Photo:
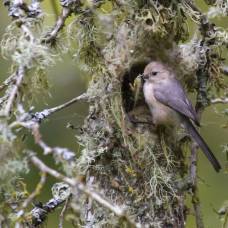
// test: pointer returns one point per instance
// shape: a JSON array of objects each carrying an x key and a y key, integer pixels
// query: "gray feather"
[
  {"x": 202, "y": 144},
  {"x": 173, "y": 95}
]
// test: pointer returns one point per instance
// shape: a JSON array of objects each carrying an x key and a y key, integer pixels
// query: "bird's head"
[{"x": 156, "y": 71}]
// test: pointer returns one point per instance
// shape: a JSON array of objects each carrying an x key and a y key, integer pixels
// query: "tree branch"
[
  {"x": 75, "y": 183},
  {"x": 12, "y": 96},
  {"x": 33, "y": 121},
  {"x": 39, "y": 116},
  {"x": 61, "y": 216},
  {"x": 61, "y": 192},
  {"x": 51, "y": 36},
  {"x": 31, "y": 197},
  {"x": 194, "y": 187}
]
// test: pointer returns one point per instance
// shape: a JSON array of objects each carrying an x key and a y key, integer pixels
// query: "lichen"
[{"x": 134, "y": 165}]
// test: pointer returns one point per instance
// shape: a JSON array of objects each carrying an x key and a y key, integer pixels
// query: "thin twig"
[
  {"x": 222, "y": 100},
  {"x": 194, "y": 187},
  {"x": 202, "y": 74},
  {"x": 61, "y": 216},
  {"x": 51, "y": 36},
  {"x": 81, "y": 187},
  {"x": 33, "y": 124},
  {"x": 39, "y": 116},
  {"x": 36, "y": 192},
  {"x": 13, "y": 94},
  {"x": 60, "y": 152},
  {"x": 193, "y": 165}
]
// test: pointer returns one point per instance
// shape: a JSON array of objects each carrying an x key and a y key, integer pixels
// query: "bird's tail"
[{"x": 202, "y": 144}]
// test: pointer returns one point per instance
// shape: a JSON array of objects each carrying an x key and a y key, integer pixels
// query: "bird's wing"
[{"x": 173, "y": 95}]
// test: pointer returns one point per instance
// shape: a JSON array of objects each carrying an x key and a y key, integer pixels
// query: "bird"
[{"x": 170, "y": 106}]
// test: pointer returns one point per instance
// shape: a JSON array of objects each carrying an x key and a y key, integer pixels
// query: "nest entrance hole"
[
  {"x": 135, "y": 107},
  {"x": 127, "y": 83}
]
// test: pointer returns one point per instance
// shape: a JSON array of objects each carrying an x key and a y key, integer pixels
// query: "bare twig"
[
  {"x": 51, "y": 36},
  {"x": 39, "y": 116},
  {"x": 61, "y": 216},
  {"x": 193, "y": 164},
  {"x": 60, "y": 152},
  {"x": 222, "y": 100},
  {"x": 33, "y": 124},
  {"x": 36, "y": 192},
  {"x": 13, "y": 94},
  {"x": 194, "y": 187},
  {"x": 81, "y": 187},
  {"x": 197, "y": 209},
  {"x": 202, "y": 74},
  {"x": 67, "y": 8}
]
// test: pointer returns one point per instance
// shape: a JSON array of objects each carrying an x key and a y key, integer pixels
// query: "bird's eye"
[{"x": 154, "y": 73}]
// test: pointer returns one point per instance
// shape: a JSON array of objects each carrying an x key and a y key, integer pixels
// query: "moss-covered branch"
[{"x": 137, "y": 170}]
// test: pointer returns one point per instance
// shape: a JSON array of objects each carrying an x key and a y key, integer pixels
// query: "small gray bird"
[{"x": 169, "y": 104}]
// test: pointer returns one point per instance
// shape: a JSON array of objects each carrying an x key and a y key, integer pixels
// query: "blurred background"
[{"x": 67, "y": 81}]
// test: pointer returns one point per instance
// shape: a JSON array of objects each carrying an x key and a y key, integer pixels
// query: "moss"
[
  {"x": 129, "y": 162},
  {"x": 134, "y": 165}
]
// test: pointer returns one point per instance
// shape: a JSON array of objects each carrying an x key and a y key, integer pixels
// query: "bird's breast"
[{"x": 161, "y": 114}]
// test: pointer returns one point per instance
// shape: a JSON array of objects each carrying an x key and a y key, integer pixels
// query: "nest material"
[{"x": 134, "y": 168}]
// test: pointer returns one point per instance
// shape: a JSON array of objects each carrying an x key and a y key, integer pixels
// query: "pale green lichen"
[
  {"x": 220, "y": 8},
  {"x": 130, "y": 165},
  {"x": 142, "y": 173}
]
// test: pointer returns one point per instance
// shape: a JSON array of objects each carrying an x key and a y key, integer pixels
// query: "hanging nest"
[{"x": 123, "y": 156}]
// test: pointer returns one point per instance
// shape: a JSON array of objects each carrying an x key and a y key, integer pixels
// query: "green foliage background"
[{"x": 67, "y": 81}]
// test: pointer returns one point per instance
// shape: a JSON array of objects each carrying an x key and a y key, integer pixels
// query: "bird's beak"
[
  {"x": 142, "y": 76},
  {"x": 145, "y": 76}
]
